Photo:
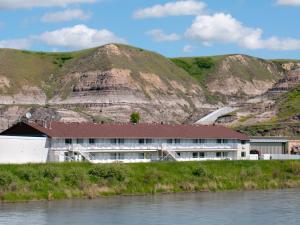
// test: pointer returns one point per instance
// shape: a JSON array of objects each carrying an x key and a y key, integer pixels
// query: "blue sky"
[{"x": 264, "y": 28}]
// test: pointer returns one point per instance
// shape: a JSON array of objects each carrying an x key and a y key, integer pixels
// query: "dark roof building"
[
  {"x": 127, "y": 143},
  {"x": 129, "y": 131}
]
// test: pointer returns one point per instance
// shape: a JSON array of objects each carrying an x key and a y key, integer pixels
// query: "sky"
[{"x": 262, "y": 28}]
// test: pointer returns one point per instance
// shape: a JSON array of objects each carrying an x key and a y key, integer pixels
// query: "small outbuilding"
[{"x": 268, "y": 145}]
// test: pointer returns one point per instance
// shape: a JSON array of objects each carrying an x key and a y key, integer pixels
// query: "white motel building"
[{"x": 119, "y": 143}]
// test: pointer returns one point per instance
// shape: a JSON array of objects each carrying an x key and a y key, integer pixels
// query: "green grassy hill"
[
  {"x": 27, "y": 68},
  {"x": 136, "y": 60},
  {"x": 205, "y": 69},
  {"x": 289, "y": 104},
  {"x": 47, "y": 70},
  {"x": 286, "y": 122}
]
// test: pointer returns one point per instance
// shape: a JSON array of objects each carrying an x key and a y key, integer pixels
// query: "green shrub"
[
  {"x": 107, "y": 172},
  {"x": 251, "y": 171},
  {"x": 276, "y": 173},
  {"x": 50, "y": 173},
  {"x": 204, "y": 63},
  {"x": 76, "y": 177},
  {"x": 135, "y": 117},
  {"x": 6, "y": 178},
  {"x": 153, "y": 176},
  {"x": 199, "y": 172},
  {"x": 27, "y": 174},
  {"x": 293, "y": 168}
]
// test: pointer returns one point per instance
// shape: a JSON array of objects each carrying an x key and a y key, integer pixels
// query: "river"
[{"x": 229, "y": 208}]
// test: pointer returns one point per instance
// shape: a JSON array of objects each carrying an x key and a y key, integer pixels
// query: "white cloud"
[
  {"x": 178, "y": 8},
  {"x": 159, "y": 36},
  {"x": 66, "y": 15},
  {"x": 223, "y": 28},
  {"x": 289, "y": 2},
  {"x": 23, "y": 43},
  {"x": 188, "y": 48},
  {"x": 78, "y": 37},
  {"x": 17, "y": 4}
]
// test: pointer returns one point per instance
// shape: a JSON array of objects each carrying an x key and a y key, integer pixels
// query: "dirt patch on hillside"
[
  {"x": 102, "y": 80},
  {"x": 238, "y": 58},
  {"x": 178, "y": 86},
  {"x": 112, "y": 49},
  {"x": 154, "y": 81},
  {"x": 290, "y": 66},
  {"x": 233, "y": 85},
  {"x": 4, "y": 82}
]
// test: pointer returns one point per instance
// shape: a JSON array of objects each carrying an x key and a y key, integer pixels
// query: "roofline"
[
  {"x": 48, "y": 132},
  {"x": 64, "y": 137},
  {"x": 269, "y": 140},
  {"x": 276, "y": 137}
]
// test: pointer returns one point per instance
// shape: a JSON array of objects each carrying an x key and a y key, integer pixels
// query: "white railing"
[
  {"x": 280, "y": 157},
  {"x": 169, "y": 152},
  {"x": 103, "y": 146},
  {"x": 88, "y": 156}
]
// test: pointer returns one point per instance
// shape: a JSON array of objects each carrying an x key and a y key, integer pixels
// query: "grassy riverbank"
[{"x": 83, "y": 180}]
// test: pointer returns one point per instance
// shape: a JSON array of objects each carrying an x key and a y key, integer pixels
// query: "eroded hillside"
[
  {"x": 108, "y": 83},
  {"x": 232, "y": 77}
]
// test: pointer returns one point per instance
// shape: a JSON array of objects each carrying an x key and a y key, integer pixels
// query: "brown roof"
[{"x": 91, "y": 130}]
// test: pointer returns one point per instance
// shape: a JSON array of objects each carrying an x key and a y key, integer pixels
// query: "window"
[
  {"x": 147, "y": 155},
  {"x": 149, "y": 141},
  {"x": 79, "y": 141},
  {"x": 66, "y": 156},
  {"x": 141, "y": 141},
  {"x": 113, "y": 155},
  {"x": 141, "y": 155},
  {"x": 219, "y": 141},
  {"x": 113, "y": 141},
  {"x": 121, "y": 155},
  {"x": 225, "y": 141},
  {"x": 219, "y": 154},
  {"x": 201, "y": 141},
  {"x": 243, "y": 154},
  {"x": 201, "y": 154},
  {"x": 177, "y": 141},
  {"x": 68, "y": 141},
  {"x": 178, "y": 154},
  {"x": 195, "y": 155},
  {"x": 195, "y": 141},
  {"x": 243, "y": 142},
  {"x": 121, "y": 141},
  {"x": 92, "y": 141},
  {"x": 170, "y": 141},
  {"x": 225, "y": 154}
]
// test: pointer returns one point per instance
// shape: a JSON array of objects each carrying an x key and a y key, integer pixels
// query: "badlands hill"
[{"x": 108, "y": 83}]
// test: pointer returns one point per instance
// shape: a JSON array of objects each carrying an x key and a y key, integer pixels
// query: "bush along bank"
[{"x": 84, "y": 180}]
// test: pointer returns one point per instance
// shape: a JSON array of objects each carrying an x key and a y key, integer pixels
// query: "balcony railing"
[{"x": 105, "y": 146}]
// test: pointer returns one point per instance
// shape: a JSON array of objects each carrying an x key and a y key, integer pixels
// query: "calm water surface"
[{"x": 236, "y": 208}]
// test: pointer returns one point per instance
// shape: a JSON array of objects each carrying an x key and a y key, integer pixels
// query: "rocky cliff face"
[
  {"x": 110, "y": 82},
  {"x": 243, "y": 75}
]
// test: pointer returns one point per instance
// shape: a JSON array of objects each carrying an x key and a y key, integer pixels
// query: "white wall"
[
  {"x": 18, "y": 150},
  {"x": 243, "y": 148}
]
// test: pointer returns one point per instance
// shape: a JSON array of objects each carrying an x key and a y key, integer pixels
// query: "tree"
[{"x": 135, "y": 117}]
